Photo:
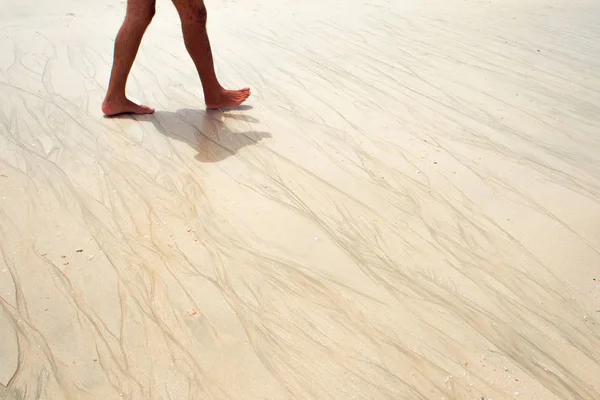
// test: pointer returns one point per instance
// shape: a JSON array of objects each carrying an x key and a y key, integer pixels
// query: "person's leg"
[
  {"x": 138, "y": 17},
  {"x": 193, "y": 23}
]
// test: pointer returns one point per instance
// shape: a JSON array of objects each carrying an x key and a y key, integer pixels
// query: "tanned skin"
[{"x": 193, "y": 16}]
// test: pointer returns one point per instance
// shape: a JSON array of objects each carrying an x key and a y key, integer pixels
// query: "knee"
[
  {"x": 197, "y": 15},
  {"x": 147, "y": 15},
  {"x": 143, "y": 16},
  {"x": 202, "y": 14}
]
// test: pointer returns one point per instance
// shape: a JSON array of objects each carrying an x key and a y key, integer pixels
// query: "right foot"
[
  {"x": 112, "y": 107},
  {"x": 227, "y": 98}
]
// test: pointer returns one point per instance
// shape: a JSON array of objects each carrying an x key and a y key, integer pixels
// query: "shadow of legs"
[{"x": 207, "y": 132}]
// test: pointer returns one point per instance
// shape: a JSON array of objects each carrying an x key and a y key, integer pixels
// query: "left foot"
[
  {"x": 226, "y": 98},
  {"x": 112, "y": 107}
]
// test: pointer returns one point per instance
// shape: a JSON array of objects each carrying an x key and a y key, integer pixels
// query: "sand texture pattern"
[{"x": 408, "y": 207}]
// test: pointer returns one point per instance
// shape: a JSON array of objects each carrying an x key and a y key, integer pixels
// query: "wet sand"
[{"x": 407, "y": 208}]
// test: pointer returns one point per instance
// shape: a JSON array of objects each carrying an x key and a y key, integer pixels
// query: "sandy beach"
[{"x": 408, "y": 206}]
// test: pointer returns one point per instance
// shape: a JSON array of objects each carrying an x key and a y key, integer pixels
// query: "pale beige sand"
[{"x": 409, "y": 208}]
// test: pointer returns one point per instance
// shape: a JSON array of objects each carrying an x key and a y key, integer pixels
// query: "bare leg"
[
  {"x": 138, "y": 17},
  {"x": 193, "y": 22}
]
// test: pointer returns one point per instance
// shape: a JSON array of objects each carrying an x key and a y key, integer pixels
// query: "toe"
[{"x": 144, "y": 110}]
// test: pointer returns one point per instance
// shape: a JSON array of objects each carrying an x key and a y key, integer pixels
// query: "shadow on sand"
[{"x": 207, "y": 131}]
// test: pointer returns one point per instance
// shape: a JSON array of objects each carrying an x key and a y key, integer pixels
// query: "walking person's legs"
[
  {"x": 193, "y": 17},
  {"x": 138, "y": 17}
]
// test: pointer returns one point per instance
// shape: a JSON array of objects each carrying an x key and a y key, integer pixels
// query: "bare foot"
[
  {"x": 226, "y": 98},
  {"x": 112, "y": 107}
]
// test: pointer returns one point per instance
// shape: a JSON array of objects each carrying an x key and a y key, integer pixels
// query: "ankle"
[
  {"x": 213, "y": 90},
  {"x": 113, "y": 97}
]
